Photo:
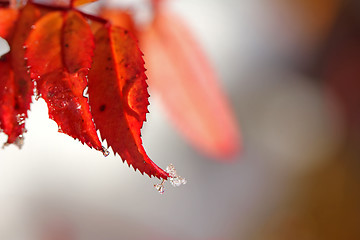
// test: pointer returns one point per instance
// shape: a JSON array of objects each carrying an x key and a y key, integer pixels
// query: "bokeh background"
[{"x": 291, "y": 70}]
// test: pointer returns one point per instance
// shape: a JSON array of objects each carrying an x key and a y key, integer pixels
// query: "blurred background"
[{"x": 291, "y": 70}]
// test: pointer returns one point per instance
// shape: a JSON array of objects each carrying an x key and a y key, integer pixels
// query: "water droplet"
[
  {"x": 85, "y": 92},
  {"x": 105, "y": 152},
  {"x": 60, "y": 130}
]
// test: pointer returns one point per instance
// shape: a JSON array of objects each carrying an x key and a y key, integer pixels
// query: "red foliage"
[
  {"x": 63, "y": 47},
  {"x": 58, "y": 52},
  {"x": 180, "y": 73}
]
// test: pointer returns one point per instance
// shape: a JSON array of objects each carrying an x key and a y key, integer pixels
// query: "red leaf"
[
  {"x": 18, "y": 87},
  {"x": 59, "y": 55},
  {"x": 180, "y": 72},
  {"x": 8, "y": 121},
  {"x": 118, "y": 96}
]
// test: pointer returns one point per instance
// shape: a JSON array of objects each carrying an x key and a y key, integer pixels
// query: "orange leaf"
[
  {"x": 59, "y": 51},
  {"x": 118, "y": 96},
  {"x": 82, "y": 2},
  {"x": 7, "y": 22},
  {"x": 179, "y": 71},
  {"x": 119, "y": 17}
]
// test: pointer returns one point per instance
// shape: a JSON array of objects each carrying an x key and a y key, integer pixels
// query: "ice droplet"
[
  {"x": 174, "y": 179},
  {"x": 105, "y": 152}
]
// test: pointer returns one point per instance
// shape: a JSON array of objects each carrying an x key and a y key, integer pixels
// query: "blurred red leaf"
[{"x": 179, "y": 71}]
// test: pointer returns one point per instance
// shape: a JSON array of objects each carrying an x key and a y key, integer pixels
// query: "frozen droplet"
[
  {"x": 160, "y": 187},
  {"x": 85, "y": 92},
  {"x": 171, "y": 170},
  {"x": 174, "y": 179},
  {"x": 105, "y": 152},
  {"x": 20, "y": 118}
]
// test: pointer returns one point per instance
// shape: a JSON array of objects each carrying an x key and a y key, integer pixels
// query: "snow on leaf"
[
  {"x": 179, "y": 71},
  {"x": 59, "y": 51},
  {"x": 118, "y": 96}
]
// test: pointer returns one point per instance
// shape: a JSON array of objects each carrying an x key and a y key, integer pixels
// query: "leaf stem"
[
  {"x": 93, "y": 17},
  {"x": 71, "y": 7}
]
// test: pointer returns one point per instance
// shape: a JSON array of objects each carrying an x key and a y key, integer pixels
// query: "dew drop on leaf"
[{"x": 20, "y": 118}]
